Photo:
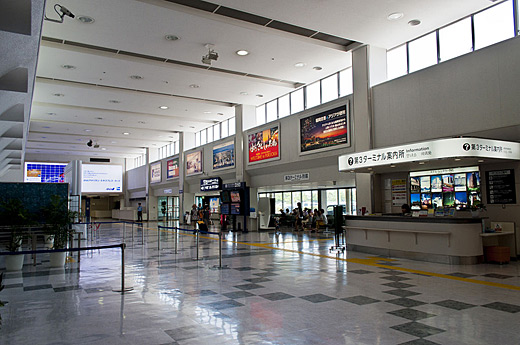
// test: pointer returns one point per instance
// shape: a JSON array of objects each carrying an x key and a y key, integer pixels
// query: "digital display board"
[
  {"x": 501, "y": 186},
  {"x": 172, "y": 168},
  {"x": 224, "y": 155},
  {"x": 235, "y": 209},
  {"x": 211, "y": 184},
  {"x": 324, "y": 130},
  {"x": 44, "y": 172},
  {"x": 264, "y": 145},
  {"x": 97, "y": 178},
  {"x": 155, "y": 172},
  {"x": 224, "y": 209},
  {"x": 235, "y": 196},
  {"x": 194, "y": 163}
]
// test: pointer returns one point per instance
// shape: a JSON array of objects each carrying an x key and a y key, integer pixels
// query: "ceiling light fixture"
[
  {"x": 210, "y": 56},
  {"x": 88, "y": 130},
  {"x": 220, "y": 114},
  {"x": 104, "y": 148},
  {"x": 194, "y": 86},
  {"x": 480, "y": 161},
  {"x": 243, "y": 93},
  {"x": 126, "y": 133},
  {"x": 421, "y": 163},
  {"x": 136, "y": 77},
  {"x": 172, "y": 37},
  {"x": 259, "y": 95},
  {"x": 51, "y": 114},
  {"x": 414, "y": 22},
  {"x": 99, "y": 118},
  {"x": 207, "y": 112},
  {"x": 242, "y": 52},
  {"x": 114, "y": 101},
  {"x": 86, "y": 19},
  {"x": 395, "y": 16},
  {"x": 300, "y": 64},
  {"x": 113, "y": 142},
  {"x": 58, "y": 94},
  {"x": 68, "y": 66},
  {"x": 163, "y": 107},
  {"x": 317, "y": 68},
  {"x": 457, "y": 159}
]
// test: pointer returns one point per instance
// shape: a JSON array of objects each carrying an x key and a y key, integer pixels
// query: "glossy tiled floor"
[{"x": 276, "y": 289}]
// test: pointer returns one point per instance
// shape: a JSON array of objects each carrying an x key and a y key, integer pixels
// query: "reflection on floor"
[{"x": 273, "y": 289}]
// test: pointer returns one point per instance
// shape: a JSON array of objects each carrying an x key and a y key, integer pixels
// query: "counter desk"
[{"x": 443, "y": 240}]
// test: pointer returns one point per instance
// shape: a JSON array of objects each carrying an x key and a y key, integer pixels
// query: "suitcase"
[{"x": 202, "y": 226}]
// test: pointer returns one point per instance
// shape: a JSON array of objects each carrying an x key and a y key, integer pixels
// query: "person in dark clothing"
[
  {"x": 298, "y": 224},
  {"x": 139, "y": 212}
]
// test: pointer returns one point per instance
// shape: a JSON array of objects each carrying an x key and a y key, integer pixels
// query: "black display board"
[{"x": 500, "y": 186}]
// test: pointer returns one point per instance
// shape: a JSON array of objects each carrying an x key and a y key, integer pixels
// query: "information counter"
[{"x": 443, "y": 240}]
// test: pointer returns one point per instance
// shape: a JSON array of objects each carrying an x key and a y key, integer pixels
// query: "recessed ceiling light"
[
  {"x": 86, "y": 19},
  {"x": 126, "y": 133},
  {"x": 259, "y": 95},
  {"x": 172, "y": 37},
  {"x": 68, "y": 67},
  {"x": 414, "y": 22},
  {"x": 141, "y": 122},
  {"x": 300, "y": 64},
  {"x": 421, "y": 163},
  {"x": 194, "y": 86},
  {"x": 45, "y": 127},
  {"x": 136, "y": 77},
  {"x": 395, "y": 16},
  {"x": 163, "y": 107},
  {"x": 114, "y": 101},
  {"x": 242, "y": 52},
  {"x": 58, "y": 94},
  {"x": 113, "y": 142},
  {"x": 99, "y": 118},
  {"x": 369, "y": 168},
  {"x": 51, "y": 114},
  {"x": 192, "y": 126},
  {"x": 317, "y": 68},
  {"x": 392, "y": 166},
  {"x": 88, "y": 130},
  {"x": 104, "y": 148},
  {"x": 480, "y": 161},
  {"x": 181, "y": 125},
  {"x": 207, "y": 112},
  {"x": 457, "y": 159},
  {"x": 243, "y": 93},
  {"x": 220, "y": 114}
]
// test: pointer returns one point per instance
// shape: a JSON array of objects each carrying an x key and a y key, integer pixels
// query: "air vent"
[{"x": 100, "y": 160}]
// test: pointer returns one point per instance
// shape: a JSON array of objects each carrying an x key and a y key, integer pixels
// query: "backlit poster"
[
  {"x": 44, "y": 172},
  {"x": 264, "y": 145},
  {"x": 155, "y": 172},
  {"x": 460, "y": 182},
  {"x": 224, "y": 155},
  {"x": 425, "y": 184},
  {"x": 324, "y": 130},
  {"x": 436, "y": 185},
  {"x": 98, "y": 178},
  {"x": 194, "y": 163},
  {"x": 172, "y": 167}
]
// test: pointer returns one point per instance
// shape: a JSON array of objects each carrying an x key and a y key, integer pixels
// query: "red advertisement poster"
[
  {"x": 264, "y": 145},
  {"x": 173, "y": 168}
]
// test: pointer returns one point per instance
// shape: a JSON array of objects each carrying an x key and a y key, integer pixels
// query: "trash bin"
[{"x": 497, "y": 254}]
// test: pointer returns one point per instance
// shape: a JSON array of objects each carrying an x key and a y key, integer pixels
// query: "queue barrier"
[
  {"x": 197, "y": 232},
  {"x": 121, "y": 245}
]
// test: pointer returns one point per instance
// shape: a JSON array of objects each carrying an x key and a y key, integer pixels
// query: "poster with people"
[
  {"x": 172, "y": 168},
  {"x": 194, "y": 163},
  {"x": 155, "y": 172},
  {"x": 264, "y": 145},
  {"x": 224, "y": 155},
  {"x": 324, "y": 130}
]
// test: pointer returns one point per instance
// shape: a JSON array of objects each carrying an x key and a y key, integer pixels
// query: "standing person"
[
  {"x": 139, "y": 212},
  {"x": 194, "y": 215},
  {"x": 298, "y": 224},
  {"x": 205, "y": 215}
]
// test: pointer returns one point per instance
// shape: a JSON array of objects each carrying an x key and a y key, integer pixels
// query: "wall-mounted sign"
[
  {"x": 224, "y": 155},
  {"x": 194, "y": 163},
  {"x": 168, "y": 191},
  {"x": 100, "y": 178},
  {"x": 296, "y": 177},
  {"x": 264, "y": 145},
  {"x": 211, "y": 184},
  {"x": 428, "y": 150},
  {"x": 234, "y": 185},
  {"x": 500, "y": 187},
  {"x": 398, "y": 192},
  {"x": 155, "y": 172},
  {"x": 325, "y": 130},
  {"x": 44, "y": 172},
  {"x": 172, "y": 168}
]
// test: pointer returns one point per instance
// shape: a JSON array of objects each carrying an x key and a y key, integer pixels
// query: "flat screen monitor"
[
  {"x": 224, "y": 196},
  {"x": 224, "y": 209},
  {"x": 235, "y": 209},
  {"x": 426, "y": 201},
  {"x": 235, "y": 196},
  {"x": 97, "y": 178}
]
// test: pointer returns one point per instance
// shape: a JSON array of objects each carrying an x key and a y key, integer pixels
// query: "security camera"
[
  {"x": 89, "y": 143},
  {"x": 65, "y": 11},
  {"x": 210, "y": 56}
]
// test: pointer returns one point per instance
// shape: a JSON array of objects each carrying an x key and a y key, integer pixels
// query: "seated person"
[{"x": 405, "y": 210}]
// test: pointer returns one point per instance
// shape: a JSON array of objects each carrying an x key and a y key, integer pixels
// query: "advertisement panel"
[
  {"x": 194, "y": 163},
  {"x": 155, "y": 172},
  {"x": 97, "y": 178},
  {"x": 324, "y": 131},
  {"x": 224, "y": 155},
  {"x": 264, "y": 145},
  {"x": 44, "y": 172},
  {"x": 172, "y": 168}
]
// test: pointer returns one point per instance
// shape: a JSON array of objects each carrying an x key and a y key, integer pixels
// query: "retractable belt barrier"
[
  {"x": 121, "y": 245},
  {"x": 197, "y": 232}
]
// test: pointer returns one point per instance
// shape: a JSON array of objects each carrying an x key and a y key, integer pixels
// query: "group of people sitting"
[{"x": 305, "y": 218}]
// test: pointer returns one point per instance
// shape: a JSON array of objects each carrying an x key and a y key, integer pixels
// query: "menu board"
[{"x": 500, "y": 186}]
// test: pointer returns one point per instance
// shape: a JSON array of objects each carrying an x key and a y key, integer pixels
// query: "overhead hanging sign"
[
  {"x": 211, "y": 184},
  {"x": 428, "y": 150}
]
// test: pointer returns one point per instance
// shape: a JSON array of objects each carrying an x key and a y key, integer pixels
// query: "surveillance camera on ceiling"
[
  {"x": 89, "y": 143},
  {"x": 210, "y": 56},
  {"x": 62, "y": 11}
]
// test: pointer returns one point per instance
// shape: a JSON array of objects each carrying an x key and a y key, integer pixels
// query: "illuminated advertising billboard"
[
  {"x": 224, "y": 155},
  {"x": 264, "y": 145},
  {"x": 194, "y": 163},
  {"x": 324, "y": 130},
  {"x": 155, "y": 172},
  {"x": 44, "y": 172},
  {"x": 97, "y": 178},
  {"x": 172, "y": 168}
]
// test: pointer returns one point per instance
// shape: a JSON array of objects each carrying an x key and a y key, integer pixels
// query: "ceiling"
[{"x": 84, "y": 88}]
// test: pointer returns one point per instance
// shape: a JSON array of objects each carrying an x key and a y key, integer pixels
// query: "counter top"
[{"x": 451, "y": 220}]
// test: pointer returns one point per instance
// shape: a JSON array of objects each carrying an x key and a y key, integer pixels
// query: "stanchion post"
[
  {"x": 158, "y": 239},
  {"x": 142, "y": 232},
  {"x": 220, "y": 249},
  {"x": 197, "y": 243},
  {"x": 79, "y": 247},
  {"x": 175, "y": 239},
  {"x": 132, "y": 232},
  {"x": 123, "y": 289}
]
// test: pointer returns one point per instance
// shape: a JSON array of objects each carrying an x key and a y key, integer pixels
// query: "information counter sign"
[{"x": 500, "y": 187}]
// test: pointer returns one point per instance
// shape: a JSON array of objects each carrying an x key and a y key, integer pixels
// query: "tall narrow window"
[
  {"x": 272, "y": 110},
  {"x": 197, "y": 139},
  {"x": 224, "y": 128},
  {"x": 260, "y": 115},
  {"x": 396, "y": 62},
  {"x": 210, "y": 134},
  {"x": 313, "y": 94},
  {"x": 329, "y": 88},
  {"x": 297, "y": 101},
  {"x": 455, "y": 39},
  {"x": 216, "y": 131},
  {"x": 494, "y": 25},
  {"x": 284, "y": 108},
  {"x": 423, "y": 52},
  {"x": 232, "y": 125},
  {"x": 203, "y": 137}
]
